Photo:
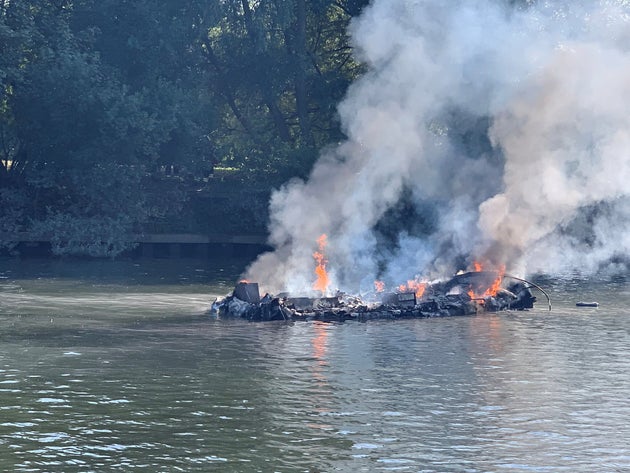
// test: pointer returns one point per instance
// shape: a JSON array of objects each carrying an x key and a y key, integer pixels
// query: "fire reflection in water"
[
  {"x": 319, "y": 343},
  {"x": 322, "y": 392}
]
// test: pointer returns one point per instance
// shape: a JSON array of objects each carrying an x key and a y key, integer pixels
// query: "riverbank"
[{"x": 159, "y": 245}]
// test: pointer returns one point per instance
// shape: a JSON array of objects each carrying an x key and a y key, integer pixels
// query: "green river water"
[{"x": 116, "y": 366}]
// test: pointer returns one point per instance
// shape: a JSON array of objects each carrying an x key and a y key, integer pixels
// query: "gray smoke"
[{"x": 481, "y": 131}]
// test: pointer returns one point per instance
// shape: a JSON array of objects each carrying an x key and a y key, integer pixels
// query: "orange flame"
[
  {"x": 494, "y": 287},
  {"x": 496, "y": 284},
  {"x": 323, "y": 281},
  {"x": 379, "y": 286},
  {"x": 415, "y": 286}
]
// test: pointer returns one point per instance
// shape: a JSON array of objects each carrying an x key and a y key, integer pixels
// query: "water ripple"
[{"x": 151, "y": 385}]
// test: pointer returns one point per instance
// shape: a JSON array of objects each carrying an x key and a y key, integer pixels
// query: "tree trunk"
[
  {"x": 301, "y": 95},
  {"x": 265, "y": 83},
  {"x": 227, "y": 93}
]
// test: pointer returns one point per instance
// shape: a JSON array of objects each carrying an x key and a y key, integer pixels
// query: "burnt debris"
[{"x": 455, "y": 297}]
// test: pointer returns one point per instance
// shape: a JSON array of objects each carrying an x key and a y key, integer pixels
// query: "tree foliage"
[{"x": 102, "y": 101}]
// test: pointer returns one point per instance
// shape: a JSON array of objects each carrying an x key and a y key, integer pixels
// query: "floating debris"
[{"x": 587, "y": 304}]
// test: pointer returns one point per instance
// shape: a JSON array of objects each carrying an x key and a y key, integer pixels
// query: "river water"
[{"x": 117, "y": 367}]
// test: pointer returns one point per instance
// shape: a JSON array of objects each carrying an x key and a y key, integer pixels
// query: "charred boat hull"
[{"x": 441, "y": 300}]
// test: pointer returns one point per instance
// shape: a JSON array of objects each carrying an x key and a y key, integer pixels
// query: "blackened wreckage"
[{"x": 455, "y": 297}]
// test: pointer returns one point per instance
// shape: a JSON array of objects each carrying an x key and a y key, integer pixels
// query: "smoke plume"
[{"x": 482, "y": 130}]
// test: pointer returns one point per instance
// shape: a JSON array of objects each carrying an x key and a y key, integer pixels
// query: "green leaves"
[{"x": 96, "y": 97}]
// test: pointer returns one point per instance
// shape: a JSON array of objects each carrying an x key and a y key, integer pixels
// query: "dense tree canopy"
[{"x": 113, "y": 112}]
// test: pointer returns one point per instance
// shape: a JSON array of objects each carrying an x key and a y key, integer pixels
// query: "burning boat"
[{"x": 465, "y": 294}]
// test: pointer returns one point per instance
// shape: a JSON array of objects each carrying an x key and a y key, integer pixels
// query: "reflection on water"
[{"x": 122, "y": 370}]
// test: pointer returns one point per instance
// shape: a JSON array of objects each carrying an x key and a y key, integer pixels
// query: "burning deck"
[{"x": 464, "y": 294}]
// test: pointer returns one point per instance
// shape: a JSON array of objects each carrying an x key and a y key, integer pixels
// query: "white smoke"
[{"x": 508, "y": 127}]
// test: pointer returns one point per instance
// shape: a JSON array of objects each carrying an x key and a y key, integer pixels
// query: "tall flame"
[
  {"x": 379, "y": 286},
  {"x": 323, "y": 281}
]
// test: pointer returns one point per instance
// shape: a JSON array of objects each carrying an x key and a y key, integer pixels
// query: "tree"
[
  {"x": 87, "y": 137},
  {"x": 281, "y": 67},
  {"x": 97, "y": 96}
]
